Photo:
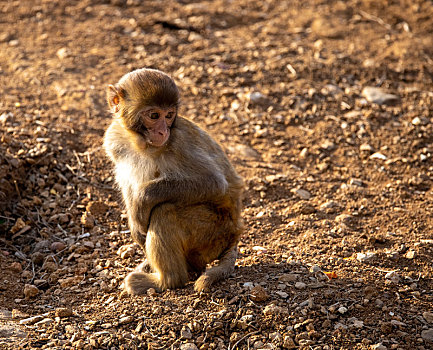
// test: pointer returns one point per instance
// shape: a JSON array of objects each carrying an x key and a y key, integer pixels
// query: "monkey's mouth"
[{"x": 158, "y": 143}]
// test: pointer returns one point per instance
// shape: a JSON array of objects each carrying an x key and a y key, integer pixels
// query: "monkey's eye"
[
  {"x": 154, "y": 115},
  {"x": 170, "y": 115}
]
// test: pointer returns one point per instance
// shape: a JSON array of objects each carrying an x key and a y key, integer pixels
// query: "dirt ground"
[{"x": 338, "y": 246}]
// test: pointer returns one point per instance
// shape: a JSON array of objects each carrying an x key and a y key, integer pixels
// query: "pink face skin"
[{"x": 158, "y": 122}]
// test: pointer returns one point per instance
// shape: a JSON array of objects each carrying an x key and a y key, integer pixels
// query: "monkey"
[{"x": 182, "y": 195}]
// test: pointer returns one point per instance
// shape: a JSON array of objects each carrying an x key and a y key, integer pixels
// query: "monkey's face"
[{"x": 157, "y": 122}]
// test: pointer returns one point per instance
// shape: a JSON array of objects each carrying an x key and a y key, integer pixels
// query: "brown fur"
[{"x": 183, "y": 199}]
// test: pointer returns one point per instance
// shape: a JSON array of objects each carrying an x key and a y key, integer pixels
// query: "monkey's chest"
[{"x": 132, "y": 175}]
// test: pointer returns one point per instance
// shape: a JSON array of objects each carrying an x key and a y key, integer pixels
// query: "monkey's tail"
[
  {"x": 216, "y": 273},
  {"x": 138, "y": 282}
]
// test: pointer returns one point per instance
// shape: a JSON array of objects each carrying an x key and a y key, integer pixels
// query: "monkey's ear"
[{"x": 113, "y": 99}]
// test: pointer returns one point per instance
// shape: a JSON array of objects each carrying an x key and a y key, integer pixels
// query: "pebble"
[
  {"x": 365, "y": 147},
  {"x": 63, "y": 312},
  {"x": 247, "y": 318},
  {"x": 62, "y": 53},
  {"x": 44, "y": 322},
  {"x": 274, "y": 310},
  {"x": 258, "y": 294},
  {"x": 289, "y": 343},
  {"x": 303, "y": 194},
  {"x": 379, "y": 96},
  {"x": 289, "y": 277},
  {"x": 283, "y": 295},
  {"x": 16, "y": 267},
  {"x": 428, "y": 316},
  {"x": 342, "y": 310},
  {"x": 57, "y": 246},
  {"x": 363, "y": 257},
  {"x": 32, "y": 320},
  {"x": 344, "y": 219},
  {"x": 30, "y": 291},
  {"x": 378, "y": 155},
  {"x": 427, "y": 335},
  {"x": 126, "y": 251},
  {"x": 185, "y": 333},
  {"x": 410, "y": 254},
  {"x": 126, "y": 320},
  {"x": 257, "y": 98},
  {"x": 188, "y": 346},
  {"x": 378, "y": 346},
  {"x": 393, "y": 277},
  {"x": 300, "y": 285}
]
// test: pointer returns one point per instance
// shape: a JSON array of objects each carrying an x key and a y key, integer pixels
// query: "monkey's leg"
[
  {"x": 165, "y": 254},
  {"x": 216, "y": 273}
]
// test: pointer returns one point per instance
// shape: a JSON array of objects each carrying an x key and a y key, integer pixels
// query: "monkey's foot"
[
  {"x": 203, "y": 283},
  {"x": 137, "y": 283}
]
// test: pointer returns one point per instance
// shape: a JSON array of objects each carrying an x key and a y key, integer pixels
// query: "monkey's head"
[{"x": 146, "y": 101}]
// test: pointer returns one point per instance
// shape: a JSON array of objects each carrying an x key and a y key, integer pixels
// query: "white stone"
[{"x": 379, "y": 96}]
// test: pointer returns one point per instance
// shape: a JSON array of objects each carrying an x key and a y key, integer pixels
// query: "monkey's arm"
[{"x": 186, "y": 191}]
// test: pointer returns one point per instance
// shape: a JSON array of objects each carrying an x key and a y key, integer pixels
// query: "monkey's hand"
[{"x": 139, "y": 216}]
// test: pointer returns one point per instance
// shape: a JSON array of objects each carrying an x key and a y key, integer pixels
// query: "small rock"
[
  {"x": 303, "y": 208},
  {"x": 88, "y": 220},
  {"x": 379, "y": 96},
  {"x": 283, "y": 295},
  {"x": 62, "y": 53},
  {"x": 427, "y": 335},
  {"x": 275, "y": 337},
  {"x": 365, "y": 147},
  {"x": 152, "y": 292},
  {"x": 248, "y": 285},
  {"x": 32, "y": 320},
  {"x": 258, "y": 294},
  {"x": 378, "y": 155},
  {"x": 16, "y": 267},
  {"x": 345, "y": 219},
  {"x": 247, "y": 318},
  {"x": 420, "y": 121},
  {"x": 19, "y": 225},
  {"x": 126, "y": 320},
  {"x": 342, "y": 310},
  {"x": 63, "y": 312},
  {"x": 19, "y": 314},
  {"x": 188, "y": 346},
  {"x": 289, "y": 343},
  {"x": 386, "y": 327},
  {"x": 364, "y": 257},
  {"x": 30, "y": 291},
  {"x": 44, "y": 322},
  {"x": 38, "y": 258},
  {"x": 410, "y": 254},
  {"x": 379, "y": 303},
  {"x": 356, "y": 182},
  {"x": 185, "y": 333},
  {"x": 289, "y": 277},
  {"x": 379, "y": 346},
  {"x": 274, "y": 310},
  {"x": 57, "y": 246},
  {"x": 428, "y": 316},
  {"x": 97, "y": 208},
  {"x": 303, "y": 194},
  {"x": 258, "y": 98},
  {"x": 393, "y": 277},
  {"x": 300, "y": 285}
]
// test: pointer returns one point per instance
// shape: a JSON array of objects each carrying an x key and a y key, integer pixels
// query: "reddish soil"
[{"x": 338, "y": 246}]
